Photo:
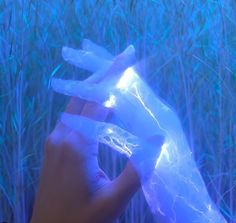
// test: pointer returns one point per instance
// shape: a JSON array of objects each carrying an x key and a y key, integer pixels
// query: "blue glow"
[
  {"x": 189, "y": 54},
  {"x": 111, "y": 102},
  {"x": 174, "y": 188}
]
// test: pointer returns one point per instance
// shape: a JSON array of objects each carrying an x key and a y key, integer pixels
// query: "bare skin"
[
  {"x": 65, "y": 191},
  {"x": 72, "y": 187}
]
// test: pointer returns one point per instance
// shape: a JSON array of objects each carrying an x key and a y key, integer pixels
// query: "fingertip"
[
  {"x": 85, "y": 44},
  {"x": 127, "y": 56},
  {"x": 64, "y": 52},
  {"x": 72, "y": 56},
  {"x": 129, "y": 50}
]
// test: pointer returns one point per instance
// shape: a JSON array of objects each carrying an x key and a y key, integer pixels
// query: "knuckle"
[
  {"x": 49, "y": 146},
  {"x": 52, "y": 144},
  {"x": 55, "y": 149},
  {"x": 62, "y": 146}
]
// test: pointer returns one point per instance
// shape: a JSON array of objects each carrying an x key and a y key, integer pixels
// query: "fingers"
[
  {"x": 84, "y": 59},
  {"x": 103, "y": 68},
  {"x": 87, "y": 91},
  {"x": 85, "y": 126},
  {"x": 97, "y": 76},
  {"x": 94, "y": 111},
  {"x": 113, "y": 72},
  {"x": 75, "y": 106},
  {"x": 143, "y": 153},
  {"x": 106, "y": 133},
  {"x": 91, "y": 92},
  {"x": 120, "y": 63},
  {"x": 88, "y": 45},
  {"x": 78, "y": 58}
]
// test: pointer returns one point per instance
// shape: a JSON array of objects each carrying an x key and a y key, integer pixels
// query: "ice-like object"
[
  {"x": 174, "y": 189},
  {"x": 120, "y": 140}
]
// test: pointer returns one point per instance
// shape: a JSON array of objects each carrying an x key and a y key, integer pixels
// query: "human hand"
[
  {"x": 173, "y": 189},
  {"x": 72, "y": 187},
  {"x": 124, "y": 88}
]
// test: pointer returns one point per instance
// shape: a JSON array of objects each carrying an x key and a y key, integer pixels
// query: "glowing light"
[
  {"x": 175, "y": 173},
  {"x": 138, "y": 96},
  {"x": 164, "y": 152},
  {"x": 127, "y": 79},
  {"x": 109, "y": 131},
  {"x": 209, "y": 207},
  {"x": 111, "y": 102}
]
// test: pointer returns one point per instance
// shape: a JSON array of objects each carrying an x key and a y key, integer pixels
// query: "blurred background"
[{"x": 193, "y": 48}]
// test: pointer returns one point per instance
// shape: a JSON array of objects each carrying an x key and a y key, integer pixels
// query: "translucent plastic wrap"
[{"x": 171, "y": 181}]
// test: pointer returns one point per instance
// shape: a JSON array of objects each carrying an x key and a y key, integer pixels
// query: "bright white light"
[
  {"x": 109, "y": 131},
  {"x": 126, "y": 79},
  {"x": 111, "y": 102},
  {"x": 209, "y": 207},
  {"x": 164, "y": 152}
]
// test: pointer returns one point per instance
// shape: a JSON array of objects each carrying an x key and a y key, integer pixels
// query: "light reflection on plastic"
[
  {"x": 176, "y": 189},
  {"x": 127, "y": 79},
  {"x": 164, "y": 152},
  {"x": 111, "y": 102}
]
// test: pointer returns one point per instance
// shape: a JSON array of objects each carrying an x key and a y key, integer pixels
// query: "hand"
[
  {"x": 120, "y": 91},
  {"x": 173, "y": 189},
  {"x": 72, "y": 186}
]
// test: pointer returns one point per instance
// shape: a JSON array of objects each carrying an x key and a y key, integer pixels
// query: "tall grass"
[{"x": 193, "y": 46}]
